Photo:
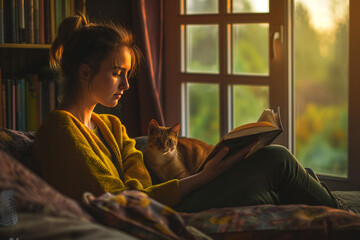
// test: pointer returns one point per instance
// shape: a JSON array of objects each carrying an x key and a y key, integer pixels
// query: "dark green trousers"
[{"x": 272, "y": 175}]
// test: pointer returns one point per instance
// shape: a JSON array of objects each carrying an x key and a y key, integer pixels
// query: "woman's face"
[{"x": 108, "y": 85}]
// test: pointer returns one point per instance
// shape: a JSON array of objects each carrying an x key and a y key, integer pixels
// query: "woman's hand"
[
  {"x": 214, "y": 167},
  {"x": 220, "y": 162}
]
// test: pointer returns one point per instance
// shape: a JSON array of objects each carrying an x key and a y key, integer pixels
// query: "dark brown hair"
[{"x": 80, "y": 41}]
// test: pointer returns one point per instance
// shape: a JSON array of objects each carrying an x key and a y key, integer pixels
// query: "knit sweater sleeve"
[{"x": 69, "y": 162}]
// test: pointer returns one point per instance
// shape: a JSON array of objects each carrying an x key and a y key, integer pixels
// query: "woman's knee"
[{"x": 277, "y": 154}]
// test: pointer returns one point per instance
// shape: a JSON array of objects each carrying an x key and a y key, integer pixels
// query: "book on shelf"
[
  {"x": 33, "y": 21},
  {"x": 42, "y": 21},
  {"x": 26, "y": 100},
  {"x": 2, "y": 31},
  {"x": 20, "y": 6},
  {"x": 1, "y": 101},
  {"x": 260, "y": 133}
]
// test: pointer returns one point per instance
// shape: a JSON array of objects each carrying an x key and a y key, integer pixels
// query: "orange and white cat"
[{"x": 170, "y": 156}]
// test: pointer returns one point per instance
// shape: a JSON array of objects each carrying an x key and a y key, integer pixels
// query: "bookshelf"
[{"x": 28, "y": 88}]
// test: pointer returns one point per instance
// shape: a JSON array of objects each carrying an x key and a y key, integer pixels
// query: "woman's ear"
[{"x": 84, "y": 72}]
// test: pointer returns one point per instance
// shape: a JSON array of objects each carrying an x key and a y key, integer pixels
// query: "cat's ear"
[
  {"x": 176, "y": 128},
  {"x": 153, "y": 125}
]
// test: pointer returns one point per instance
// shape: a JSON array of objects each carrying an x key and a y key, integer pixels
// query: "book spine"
[
  {"x": 23, "y": 104},
  {"x": 52, "y": 95},
  {"x": 52, "y": 20},
  {"x": 21, "y": 20},
  {"x": 40, "y": 98},
  {"x": 13, "y": 21},
  {"x": 36, "y": 22},
  {"x": 13, "y": 104},
  {"x": 32, "y": 110},
  {"x": 18, "y": 104},
  {"x": 1, "y": 99},
  {"x": 66, "y": 8},
  {"x": 59, "y": 13},
  {"x": 41, "y": 22},
  {"x": 72, "y": 8},
  {"x": 4, "y": 107},
  {"x": 47, "y": 19},
  {"x": 9, "y": 103},
  {"x": 30, "y": 21},
  {"x": 2, "y": 31}
]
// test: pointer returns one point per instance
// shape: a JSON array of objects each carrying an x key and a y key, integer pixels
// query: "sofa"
[{"x": 32, "y": 209}]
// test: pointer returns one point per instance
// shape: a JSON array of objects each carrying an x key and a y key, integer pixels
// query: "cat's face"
[{"x": 162, "y": 139}]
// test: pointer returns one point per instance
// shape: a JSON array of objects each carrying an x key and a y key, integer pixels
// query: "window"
[
  {"x": 321, "y": 70},
  {"x": 222, "y": 67},
  {"x": 225, "y": 61}
]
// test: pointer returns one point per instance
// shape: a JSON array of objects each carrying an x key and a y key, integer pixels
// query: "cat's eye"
[{"x": 170, "y": 142}]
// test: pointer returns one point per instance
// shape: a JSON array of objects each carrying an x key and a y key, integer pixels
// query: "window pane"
[
  {"x": 321, "y": 85},
  {"x": 250, "y": 6},
  {"x": 203, "y": 104},
  {"x": 202, "y": 48},
  {"x": 250, "y": 49},
  {"x": 202, "y": 6},
  {"x": 248, "y": 103}
]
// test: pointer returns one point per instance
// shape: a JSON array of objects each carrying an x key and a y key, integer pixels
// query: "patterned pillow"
[
  {"x": 19, "y": 145},
  {"x": 32, "y": 194},
  {"x": 137, "y": 214},
  {"x": 295, "y": 221}
]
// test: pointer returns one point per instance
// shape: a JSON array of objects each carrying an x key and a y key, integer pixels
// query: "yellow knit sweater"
[{"x": 74, "y": 160}]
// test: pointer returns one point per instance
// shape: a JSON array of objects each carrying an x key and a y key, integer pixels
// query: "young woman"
[{"x": 78, "y": 150}]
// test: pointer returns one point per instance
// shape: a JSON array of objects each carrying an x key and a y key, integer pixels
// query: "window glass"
[
  {"x": 250, "y": 51},
  {"x": 321, "y": 38},
  {"x": 201, "y": 6},
  {"x": 202, "y": 49},
  {"x": 250, "y": 6},
  {"x": 248, "y": 103},
  {"x": 203, "y": 112}
]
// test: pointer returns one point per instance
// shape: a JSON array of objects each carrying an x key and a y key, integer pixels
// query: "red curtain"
[{"x": 143, "y": 101}]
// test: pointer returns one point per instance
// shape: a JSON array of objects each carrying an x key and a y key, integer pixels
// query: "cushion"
[
  {"x": 137, "y": 214},
  {"x": 44, "y": 226},
  {"x": 32, "y": 193},
  {"x": 276, "y": 221},
  {"x": 19, "y": 145}
]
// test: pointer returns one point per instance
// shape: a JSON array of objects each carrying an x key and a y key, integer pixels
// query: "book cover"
[
  {"x": 42, "y": 22},
  {"x": 262, "y": 133}
]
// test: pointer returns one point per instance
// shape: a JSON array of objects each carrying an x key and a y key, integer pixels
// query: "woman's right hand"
[
  {"x": 220, "y": 162},
  {"x": 214, "y": 167}
]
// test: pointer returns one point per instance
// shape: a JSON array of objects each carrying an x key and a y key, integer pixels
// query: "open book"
[{"x": 264, "y": 131}]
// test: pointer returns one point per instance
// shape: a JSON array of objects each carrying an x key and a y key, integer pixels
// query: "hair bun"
[{"x": 66, "y": 29}]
